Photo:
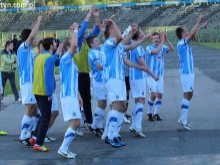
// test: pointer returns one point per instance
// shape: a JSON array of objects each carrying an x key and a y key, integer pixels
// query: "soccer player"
[
  {"x": 155, "y": 59},
  {"x": 114, "y": 74},
  {"x": 138, "y": 84},
  {"x": 71, "y": 100},
  {"x": 25, "y": 68},
  {"x": 187, "y": 68},
  {"x": 96, "y": 59}
]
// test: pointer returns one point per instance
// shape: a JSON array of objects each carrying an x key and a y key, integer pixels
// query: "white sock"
[
  {"x": 107, "y": 123},
  {"x": 157, "y": 106},
  {"x": 133, "y": 117},
  {"x": 31, "y": 127},
  {"x": 150, "y": 106},
  {"x": 97, "y": 117},
  {"x": 120, "y": 119},
  {"x": 138, "y": 116},
  {"x": 68, "y": 138},
  {"x": 113, "y": 123},
  {"x": 102, "y": 115},
  {"x": 25, "y": 124},
  {"x": 184, "y": 111}
]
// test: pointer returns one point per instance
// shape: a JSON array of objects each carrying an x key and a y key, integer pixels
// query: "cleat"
[
  {"x": 119, "y": 141},
  {"x": 3, "y": 133},
  {"x": 100, "y": 131},
  {"x": 93, "y": 131},
  {"x": 157, "y": 117},
  {"x": 40, "y": 148},
  {"x": 26, "y": 143},
  {"x": 132, "y": 130},
  {"x": 51, "y": 138},
  {"x": 32, "y": 141},
  {"x": 185, "y": 126},
  {"x": 47, "y": 140},
  {"x": 67, "y": 154},
  {"x": 150, "y": 117},
  {"x": 140, "y": 134},
  {"x": 114, "y": 143}
]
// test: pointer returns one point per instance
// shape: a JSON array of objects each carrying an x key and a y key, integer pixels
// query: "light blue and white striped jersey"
[
  {"x": 68, "y": 76},
  {"x": 96, "y": 56},
  {"x": 185, "y": 56},
  {"x": 25, "y": 63},
  {"x": 135, "y": 54},
  {"x": 155, "y": 62},
  {"x": 114, "y": 65}
]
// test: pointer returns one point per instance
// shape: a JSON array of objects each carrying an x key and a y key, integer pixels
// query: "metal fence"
[{"x": 211, "y": 35}]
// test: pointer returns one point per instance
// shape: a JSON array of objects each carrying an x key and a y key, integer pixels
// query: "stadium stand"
[{"x": 144, "y": 15}]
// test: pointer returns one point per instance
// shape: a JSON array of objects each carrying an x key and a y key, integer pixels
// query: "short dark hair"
[
  {"x": 25, "y": 34},
  {"x": 47, "y": 42},
  {"x": 89, "y": 40},
  {"x": 179, "y": 31},
  {"x": 156, "y": 34},
  {"x": 136, "y": 35},
  {"x": 7, "y": 43}
]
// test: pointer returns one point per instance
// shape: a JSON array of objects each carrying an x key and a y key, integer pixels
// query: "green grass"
[
  {"x": 8, "y": 90},
  {"x": 215, "y": 45}
]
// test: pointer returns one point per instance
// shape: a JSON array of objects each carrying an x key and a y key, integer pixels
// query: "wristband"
[{"x": 75, "y": 31}]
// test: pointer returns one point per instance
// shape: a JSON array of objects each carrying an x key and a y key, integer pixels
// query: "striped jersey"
[
  {"x": 135, "y": 54},
  {"x": 96, "y": 56},
  {"x": 114, "y": 65},
  {"x": 68, "y": 76},
  {"x": 185, "y": 56},
  {"x": 155, "y": 62},
  {"x": 25, "y": 63}
]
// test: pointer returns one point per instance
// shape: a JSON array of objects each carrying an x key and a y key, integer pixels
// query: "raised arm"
[
  {"x": 203, "y": 26},
  {"x": 96, "y": 29},
  {"x": 117, "y": 32},
  {"x": 74, "y": 40},
  {"x": 137, "y": 43},
  {"x": 84, "y": 25},
  {"x": 195, "y": 28},
  {"x": 34, "y": 30}
]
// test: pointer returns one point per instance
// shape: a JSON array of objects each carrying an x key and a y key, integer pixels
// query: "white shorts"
[
  {"x": 116, "y": 90},
  {"x": 99, "y": 90},
  {"x": 155, "y": 86},
  {"x": 54, "y": 106},
  {"x": 26, "y": 94},
  {"x": 138, "y": 88},
  {"x": 187, "y": 82},
  {"x": 70, "y": 108}
]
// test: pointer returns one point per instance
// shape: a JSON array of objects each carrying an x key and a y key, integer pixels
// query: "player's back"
[
  {"x": 25, "y": 63},
  {"x": 185, "y": 56}
]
